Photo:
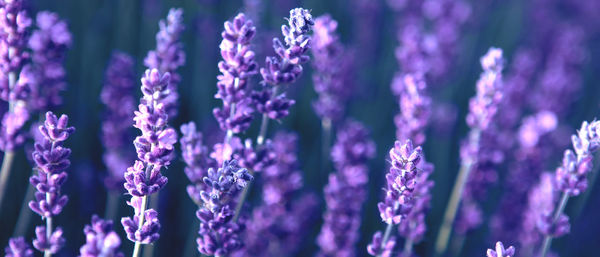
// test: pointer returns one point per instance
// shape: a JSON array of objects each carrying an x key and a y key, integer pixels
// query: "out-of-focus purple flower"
[
  {"x": 236, "y": 68},
  {"x": 100, "y": 239},
  {"x": 286, "y": 67},
  {"x": 332, "y": 63},
  {"x": 275, "y": 107},
  {"x": 541, "y": 200},
  {"x": 484, "y": 105},
  {"x": 154, "y": 150},
  {"x": 51, "y": 159},
  {"x": 49, "y": 44},
  {"x": 415, "y": 107},
  {"x": 345, "y": 192},
  {"x": 278, "y": 225},
  {"x": 401, "y": 182},
  {"x": 169, "y": 55},
  {"x": 118, "y": 97},
  {"x": 255, "y": 158},
  {"x": 377, "y": 248},
  {"x": 219, "y": 235},
  {"x": 500, "y": 251},
  {"x": 195, "y": 156},
  {"x": 18, "y": 247}
]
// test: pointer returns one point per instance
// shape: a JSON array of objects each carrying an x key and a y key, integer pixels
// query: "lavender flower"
[
  {"x": 415, "y": 107},
  {"x": 18, "y": 247},
  {"x": 236, "y": 68},
  {"x": 51, "y": 160},
  {"x": 154, "y": 150},
  {"x": 286, "y": 67},
  {"x": 345, "y": 192},
  {"x": 169, "y": 55},
  {"x": 117, "y": 95},
  {"x": 413, "y": 227},
  {"x": 483, "y": 106},
  {"x": 100, "y": 239},
  {"x": 219, "y": 234},
  {"x": 195, "y": 155},
  {"x": 49, "y": 44},
  {"x": 332, "y": 64},
  {"x": 399, "y": 193},
  {"x": 500, "y": 251},
  {"x": 14, "y": 76},
  {"x": 541, "y": 200}
]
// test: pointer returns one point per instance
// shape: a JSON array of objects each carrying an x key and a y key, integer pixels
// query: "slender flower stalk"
[
  {"x": 571, "y": 180},
  {"x": 169, "y": 55},
  {"x": 100, "y": 240},
  {"x": 18, "y": 247},
  {"x": 345, "y": 192},
  {"x": 15, "y": 78},
  {"x": 399, "y": 195},
  {"x": 154, "y": 151},
  {"x": 117, "y": 96},
  {"x": 51, "y": 159},
  {"x": 482, "y": 109}
]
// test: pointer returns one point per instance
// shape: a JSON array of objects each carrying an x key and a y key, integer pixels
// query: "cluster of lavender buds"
[
  {"x": 541, "y": 200},
  {"x": 100, "y": 239},
  {"x": 237, "y": 67},
  {"x": 219, "y": 234},
  {"x": 155, "y": 151},
  {"x": 413, "y": 227},
  {"x": 117, "y": 96},
  {"x": 484, "y": 105},
  {"x": 195, "y": 156},
  {"x": 333, "y": 64},
  {"x": 169, "y": 55},
  {"x": 15, "y": 76},
  {"x": 399, "y": 194},
  {"x": 500, "y": 251},
  {"x": 345, "y": 192},
  {"x": 18, "y": 247},
  {"x": 49, "y": 44},
  {"x": 276, "y": 226},
  {"x": 51, "y": 160},
  {"x": 415, "y": 107}
]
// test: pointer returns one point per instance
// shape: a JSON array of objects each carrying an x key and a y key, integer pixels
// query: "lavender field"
[{"x": 385, "y": 128}]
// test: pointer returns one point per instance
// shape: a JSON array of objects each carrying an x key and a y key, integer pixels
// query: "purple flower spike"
[
  {"x": 139, "y": 183},
  {"x": 49, "y": 44},
  {"x": 345, "y": 192},
  {"x": 483, "y": 107},
  {"x": 332, "y": 79},
  {"x": 236, "y": 68},
  {"x": 218, "y": 233},
  {"x": 414, "y": 226},
  {"x": 415, "y": 107},
  {"x": 376, "y": 247},
  {"x": 14, "y": 24},
  {"x": 500, "y": 251},
  {"x": 100, "y": 239},
  {"x": 52, "y": 244},
  {"x": 286, "y": 67},
  {"x": 148, "y": 232},
  {"x": 51, "y": 159},
  {"x": 169, "y": 55},
  {"x": 18, "y": 247},
  {"x": 195, "y": 155},
  {"x": 117, "y": 96}
]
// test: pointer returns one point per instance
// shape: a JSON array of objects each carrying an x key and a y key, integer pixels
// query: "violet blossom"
[
  {"x": 415, "y": 107},
  {"x": 219, "y": 234},
  {"x": 500, "y": 251},
  {"x": 332, "y": 64},
  {"x": 399, "y": 194},
  {"x": 18, "y": 247},
  {"x": 169, "y": 55},
  {"x": 51, "y": 158},
  {"x": 49, "y": 44},
  {"x": 118, "y": 97},
  {"x": 100, "y": 239},
  {"x": 154, "y": 151},
  {"x": 345, "y": 192},
  {"x": 195, "y": 156}
]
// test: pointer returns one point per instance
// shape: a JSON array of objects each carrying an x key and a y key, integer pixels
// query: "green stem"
[
  {"x": 5, "y": 172},
  {"x": 47, "y": 252},
  {"x": 561, "y": 207},
  {"x": 138, "y": 245},
  {"x": 386, "y": 236}
]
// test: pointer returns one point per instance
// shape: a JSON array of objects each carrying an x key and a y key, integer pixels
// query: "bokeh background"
[{"x": 101, "y": 26}]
